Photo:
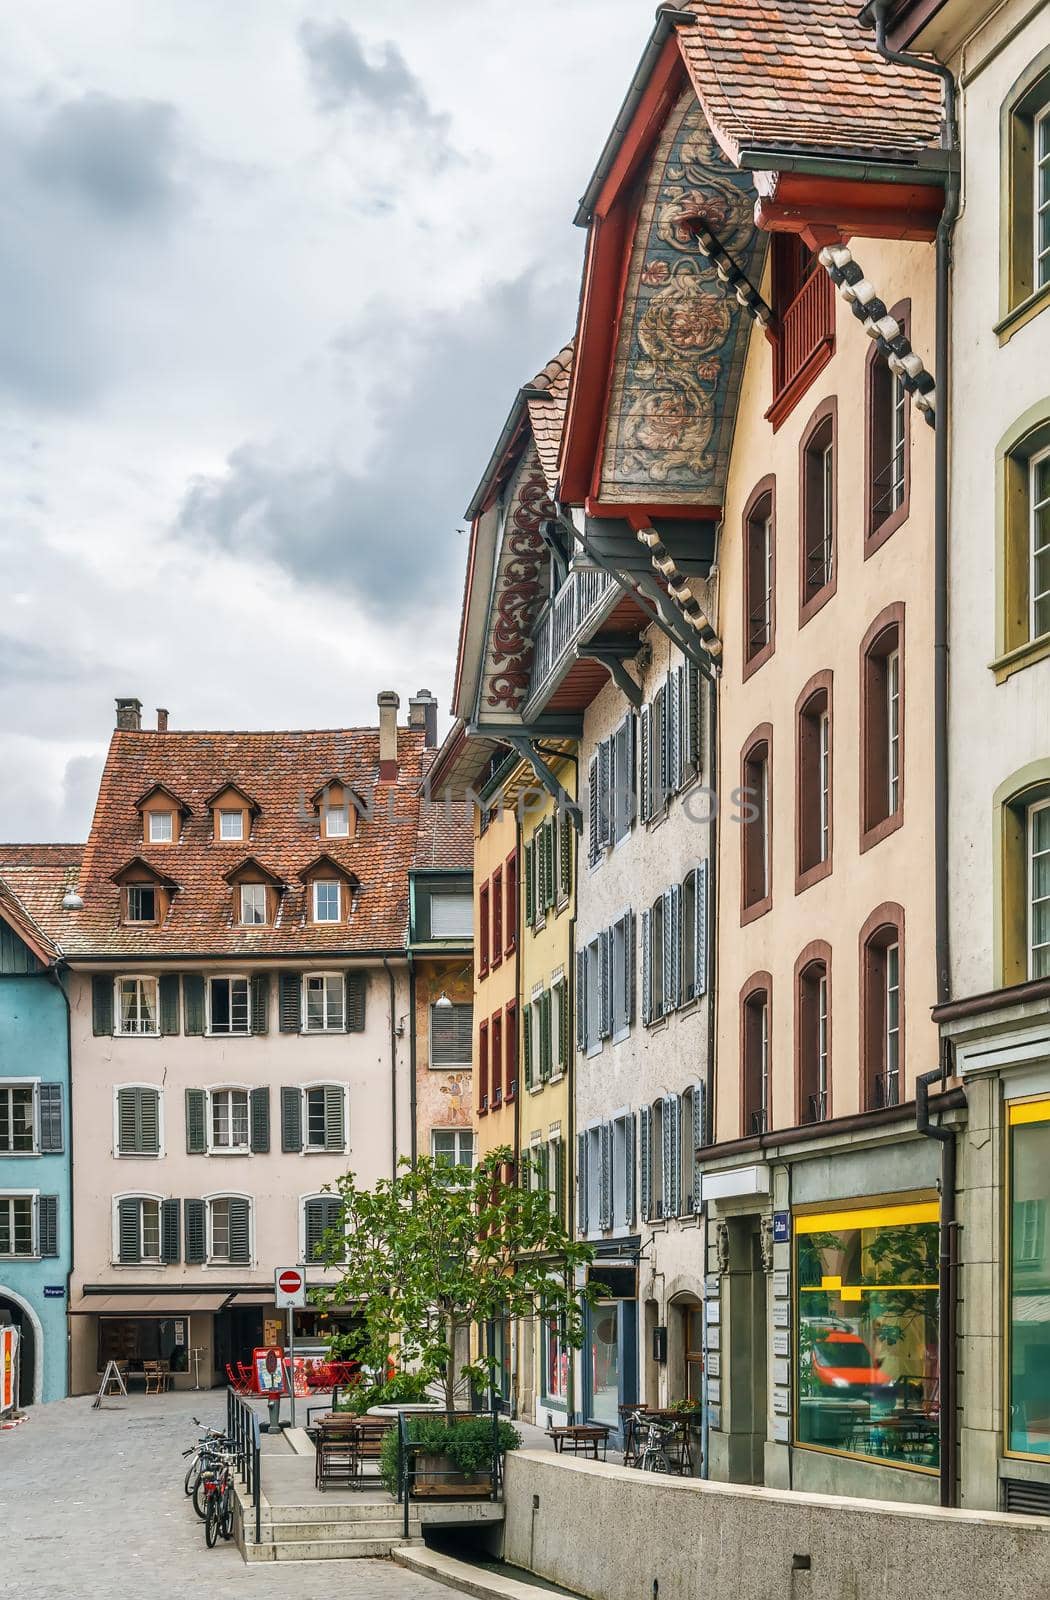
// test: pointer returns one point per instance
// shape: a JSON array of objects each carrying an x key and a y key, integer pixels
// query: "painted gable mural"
[
  {"x": 519, "y": 589},
  {"x": 683, "y": 339}
]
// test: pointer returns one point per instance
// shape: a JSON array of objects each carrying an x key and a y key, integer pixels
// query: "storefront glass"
[
  {"x": 603, "y": 1353},
  {"x": 1029, "y": 1283},
  {"x": 555, "y": 1362},
  {"x": 133, "y": 1340},
  {"x": 867, "y": 1321}
]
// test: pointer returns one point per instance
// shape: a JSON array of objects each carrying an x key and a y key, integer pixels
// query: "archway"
[{"x": 30, "y": 1345}]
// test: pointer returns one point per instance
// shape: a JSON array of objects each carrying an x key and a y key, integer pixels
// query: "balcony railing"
[
  {"x": 561, "y": 620},
  {"x": 885, "y": 1090},
  {"x": 806, "y": 325}
]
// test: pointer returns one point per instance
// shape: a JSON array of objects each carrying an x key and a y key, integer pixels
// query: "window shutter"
[
  {"x": 669, "y": 996},
  {"x": 138, "y": 1122},
  {"x": 52, "y": 1135},
  {"x": 290, "y": 1011},
  {"x": 628, "y": 1176},
  {"x": 605, "y": 983},
  {"x": 604, "y": 791},
  {"x": 193, "y": 1002},
  {"x": 313, "y": 1227},
  {"x": 645, "y": 1162},
  {"x": 168, "y": 989},
  {"x": 628, "y": 774},
  {"x": 667, "y": 1164},
  {"x": 647, "y": 966},
  {"x": 260, "y": 1002},
  {"x": 530, "y": 897},
  {"x": 700, "y": 930},
  {"x": 544, "y": 1004},
  {"x": 611, "y": 778},
  {"x": 240, "y": 1251},
  {"x": 334, "y": 1117},
  {"x": 659, "y": 755},
  {"x": 581, "y": 999},
  {"x": 593, "y": 804},
  {"x": 169, "y": 1231},
  {"x": 526, "y": 1043},
  {"x": 101, "y": 1005},
  {"x": 565, "y": 856},
  {"x": 645, "y": 766},
  {"x": 559, "y": 1180},
  {"x": 356, "y": 990},
  {"x": 149, "y": 1121},
  {"x": 693, "y": 718},
  {"x": 47, "y": 1225},
  {"x": 259, "y": 1103},
  {"x": 674, "y": 730},
  {"x": 126, "y": 1122},
  {"x": 676, "y": 1154},
  {"x": 129, "y": 1232},
  {"x": 196, "y": 1122},
  {"x": 676, "y": 944},
  {"x": 291, "y": 1119},
  {"x": 630, "y": 965},
  {"x": 581, "y": 1182},
  {"x": 699, "y": 1138},
  {"x": 193, "y": 1214},
  {"x": 605, "y": 1175}
]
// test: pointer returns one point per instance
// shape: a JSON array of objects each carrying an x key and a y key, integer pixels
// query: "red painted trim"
[
  {"x": 867, "y": 210},
  {"x": 641, "y": 515},
  {"x": 665, "y": 84}
]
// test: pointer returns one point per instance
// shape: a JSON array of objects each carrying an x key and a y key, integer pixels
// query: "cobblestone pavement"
[{"x": 91, "y": 1506}]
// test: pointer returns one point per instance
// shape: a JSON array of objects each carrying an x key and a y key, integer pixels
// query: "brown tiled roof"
[
  {"x": 445, "y": 838},
  {"x": 802, "y": 75},
  {"x": 33, "y": 879},
  {"x": 548, "y": 396},
  {"x": 280, "y": 771}
]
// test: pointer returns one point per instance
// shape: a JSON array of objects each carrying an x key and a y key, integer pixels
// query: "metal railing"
[
  {"x": 885, "y": 1090},
  {"x": 564, "y": 615},
  {"x": 408, "y": 1449},
  {"x": 242, "y": 1426}
]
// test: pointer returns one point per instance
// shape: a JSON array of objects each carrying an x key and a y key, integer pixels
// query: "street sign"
[
  {"x": 54, "y": 1291},
  {"x": 289, "y": 1287}
]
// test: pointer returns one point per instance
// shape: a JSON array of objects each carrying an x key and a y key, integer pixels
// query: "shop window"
[
  {"x": 1028, "y": 1325},
  {"x": 882, "y": 1001},
  {"x": 813, "y": 1033},
  {"x": 867, "y": 1381},
  {"x": 754, "y": 1043},
  {"x": 1026, "y": 189},
  {"x": 756, "y": 813},
  {"x": 602, "y": 1355},
  {"x": 760, "y": 571},
  {"x": 888, "y": 444},
  {"x": 818, "y": 511},
  {"x": 557, "y": 1358},
  {"x": 882, "y": 727},
  {"x": 813, "y": 780}
]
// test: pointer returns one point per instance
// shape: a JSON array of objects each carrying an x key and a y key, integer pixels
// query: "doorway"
[
  {"x": 746, "y": 1286},
  {"x": 14, "y": 1313}
]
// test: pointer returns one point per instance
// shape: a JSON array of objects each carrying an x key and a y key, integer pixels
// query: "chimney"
[
  {"x": 388, "y": 702},
  {"x": 129, "y": 715},
  {"x": 162, "y": 719},
  {"x": 423, "y": 714}
]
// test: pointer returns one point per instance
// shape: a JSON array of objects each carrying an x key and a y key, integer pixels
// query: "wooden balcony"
[
  {"x": 582, "y": 598},
  {"x": 803, "y": 343}
]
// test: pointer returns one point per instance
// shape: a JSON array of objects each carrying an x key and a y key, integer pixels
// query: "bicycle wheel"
[
  {"x": 211, "y": 1521},
  {"x": 200, "y": 1496},
  {"x": 193, "y": 1475},
  {"x": 226, "y": 1512}
]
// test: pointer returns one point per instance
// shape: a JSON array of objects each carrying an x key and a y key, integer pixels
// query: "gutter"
[
  {"x": 274, "y": 958},
  {"x": 924, "y": 172},
  {"x": 393, "y": 1068},
  {"x": 947, "y": 1275},
  {"x": 54, "y": 976},
  {"x": 413, "y": 1139}
]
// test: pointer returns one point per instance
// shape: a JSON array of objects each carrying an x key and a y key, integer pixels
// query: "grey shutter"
[
  {"x": 193, "y": 1002},
  {"x": 169, "y": 1231},
  {"x": 129, "y": 1232},
  {"x": 52, "y": 1135},
  {"x": 605, "y": 1175},
  {"x": 530, "y": 898},
  {"x": 667, "y": 1162},
  {"x": 196, "y": 1122},
  {"x": 138, "y": 1122},
  {"x": 604, "y": 983},
  {"x": 101, "y": 1005},
  {"x": 168, "y": 988},
  {"x": 356, "y": 990},
  {"x": 526, "y": 1043},
  {"x": 699, "y": 1139},
  {"x": 676, "y": 1154},
  {"x": 565, "y": 833},
  {"x": 240, "y": 1247},
  {"x": 674, "y": 730},
  {"x": 669, "y": 961},
  {"x": 260, "y": 990},
  {"x": 659, "y": 753},
  {"x": 290, "y": 1010},
  {"x": 259, "y": 1106},
  {"x": 645, "y": 1162},
  {"x": 313, "y": 1227},
  {"x": 334, "y": 1117},
  {"x": 149, "y": 1121},
  {"x": 606, "y": 784},
  {"x": 645, "y": 765},
  {"x": 628, "y": 1176},
  {"x": 692, "y": 718},
  {"x": 647, "y": 966},
  {"x": 627, "y": 776},
  {"x": 581, "y": 999},
  {"x": 593, "y": 804},
  {"x": 127, "y": 1122},
  {"x": 676, "y": 944},
  {"x": 631, "y": 966},
  {"x": 291, "y": 1119},
  {"x": 47, "y": 1225},
  {"x": 581, "y": 1182},
  {"x": 193, "y": 1213},
  {"x": 700, "y": 930}
]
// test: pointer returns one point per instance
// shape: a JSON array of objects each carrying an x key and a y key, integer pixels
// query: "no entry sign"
[{"x": 289, "y": 1287}]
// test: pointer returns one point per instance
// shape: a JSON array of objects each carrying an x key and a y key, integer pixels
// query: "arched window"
[
  {"x": 756, "y": 1099},
  {"x": 818, "y": 510},
  {"x": 882, "y": 1007},
  {"x": 882, "y": 727},
  {"x": 760, "y": 571},
  {"x": 1022, "y": 864},
  {"x": 813, "y": 1033},
  {"x": 813, "y": 772},
  {"x": 1024, "y": 279},
  {"x": 887, "y": 443},
  {"x": 756, "y": 828}
]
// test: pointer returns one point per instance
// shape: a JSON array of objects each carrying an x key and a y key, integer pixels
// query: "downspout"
[
  {"x": 393, "y": 1067},
  {"x": 570, "y": 1067},
  {"x": 946, "y": 1277},
  {"x": 413, "y": 1139},
  {"x": 54, "y": 976}
]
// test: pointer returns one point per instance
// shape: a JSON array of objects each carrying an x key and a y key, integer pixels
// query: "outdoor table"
[{"x": 581, "y": 1439}]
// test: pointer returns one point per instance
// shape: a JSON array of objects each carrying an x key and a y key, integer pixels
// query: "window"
[
  {"x": 231, "y": 824},
  {"x": 1028, "y": 1329},
  {"x": 817, "y": 512},
  {"x": 496, "y": 1035},
  {"x": 1039, "y": 513},
  {"x": 229, "y": 1230},
  {"x": 759, "y": 544},
  {"x": 229, "y": 1119},
  {"x": 1041, "y": 200},
  {"x": 161, "y": 827},
  {"x": 867, "y": 1317},
  {"x": 1026, "y": 192},
  {"x": 16, "y": 1225},
  {"x": 253, "y": 904},
  {"x": 882, "y": 727},
  {"x": 882, "y": 981},
  {"x": 337, "y": 822},
  {"x": 327, "y": 900},
  {"x": 451, "y": 914},
  {"x": 755, "y": 1047},
  {"x": 655, "y": 953},
  {"x": 756, "y": 825},
  {"x": 559, "y": 1002},
  {"x": 694, "y": 933},
  {"x": 137, "y": 1112},
  {"x": 324, "y": 1117},
  {"x": 17, "y": 1120},
  {"x": 621, "y": 1178},
  {"x": 452, "y": 1147},
  {"x": 138, "y": 1230},
  {"x": 813, "y": 1034},
  {"x": 228, "y": 1009},
  {"x": 137, "y": 1005},
  {"x": 320, "y": 1214},
  {"x": 142, "y": 902},
  {"x": 484, "y": 928},
  {"x": 1039, "y": 890},
  {"x": 1022, "y": 631},
  {"x": 497, "y": 916},
  {"x": 510, "y": 1036},
  {"x": 888, "y": 444},
  {"x": 325, "y": 996},
  {"x": 451, "y": 1028},
  {"x": 483, "y": 1063},
  {"x": 813, "y": 793}
]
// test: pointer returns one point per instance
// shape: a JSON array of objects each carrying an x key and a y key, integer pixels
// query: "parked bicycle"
[
  {"x": 217, "y": 1487},
  {"x": 653, "y": 1438},
  {"x": 206, "y": 1454}
]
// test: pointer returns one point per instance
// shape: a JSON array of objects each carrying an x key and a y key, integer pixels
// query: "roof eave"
[{"x": 926, "y": 166}]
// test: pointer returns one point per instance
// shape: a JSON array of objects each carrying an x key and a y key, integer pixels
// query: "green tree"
[{"x": 441, "y": 1248}]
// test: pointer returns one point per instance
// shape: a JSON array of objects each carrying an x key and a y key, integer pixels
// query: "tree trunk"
[{"x": 450, "y": 1367}]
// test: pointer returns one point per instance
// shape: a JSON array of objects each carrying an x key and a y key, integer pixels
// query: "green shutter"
[
  {"x": 52, "y": 1136},
  {"x": 291, "y": 1119},
  {"x": 566, "y": 856},
  {"x": 240, "y": 1244},
  {"x": 260, "y": 987},
  {"x": 196, "y": 1129},
  {"x": 334, "y": 1119},
  {"x": 530, "y": 906},
  {"x": 259, "y": 1103},
  {"x": 563, "y": 1026},
  {"x": 545, "y": 1034},
  {"x": 193, "y": 1002},
  {"x": 193, "y": 1211},
  {"x": 138, "y": 1122},
  {"x": 290, "y": 1006},
  {"x": 47, "y": 1224},
  {"x": 356, "y": 990},
  {"x": 169, "y": 1231},
  {"x": 313, "y": 1227},
  {"x": 526, "y": 1043},
  {"x": 102, "y": 1005},
  {"x": 169, "y": 1003},
  {"x": 149, "y": 1121},
  {"x": 129, "y": 1232},
  {"x": 559, "y": 1180}
]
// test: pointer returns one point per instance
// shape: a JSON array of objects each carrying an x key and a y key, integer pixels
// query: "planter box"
[{"x": 439, "y": 1477}]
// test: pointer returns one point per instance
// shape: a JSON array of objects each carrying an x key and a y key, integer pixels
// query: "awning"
[
  {"x": 252, "y": 1297},
  {"x": 156, "y": 1305}
]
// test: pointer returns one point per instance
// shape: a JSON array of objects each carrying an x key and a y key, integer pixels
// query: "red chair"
[
  {"x": 238, "y": 1383},
  {"x": 247, "y": 1377}
]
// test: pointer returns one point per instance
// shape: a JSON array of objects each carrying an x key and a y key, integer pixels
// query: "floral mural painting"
[
  {"x": 520, "y": 587},
  {"x": 682, "y": 344}
]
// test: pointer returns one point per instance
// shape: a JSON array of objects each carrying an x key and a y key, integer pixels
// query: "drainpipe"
[
  {"x": 54, "y": 975},
  {"x": 413, "y": 1140},
  {"x": 393, "y": 1067},
  {"x": 949, "y": 142},
  {"x": 570, "y": 1067},
  {"x": 946, "y": 1275}
]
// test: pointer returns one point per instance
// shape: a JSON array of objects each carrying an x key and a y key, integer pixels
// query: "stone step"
[
  {"x": 288, "y": 1532},
  {"x": 338, "y": 1549},
  {"x": 344, "y": 1511}
]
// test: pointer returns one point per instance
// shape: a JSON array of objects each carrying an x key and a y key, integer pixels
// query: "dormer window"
[
  {"x": 337, "y": 822},
  {"x": 160, "y": 826},
  {"x": 253, "y": 904},
  {"x": 338, "y": 808},
  {"x": 163, "y": 815},
  {"x": 328, "y": 890},
  {"x": 233, "y": 812},
  {"x": 141, "y": 902},
  {"x": 231, "y": 824},
  {"x": 327, "y": 900},
  {"x": 145, "y": 893}
]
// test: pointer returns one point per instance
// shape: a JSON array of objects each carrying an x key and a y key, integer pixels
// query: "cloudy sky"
[{"x": 271, "y": 272}]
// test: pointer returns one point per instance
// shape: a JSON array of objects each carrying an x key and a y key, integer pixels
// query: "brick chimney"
[
  {"x": 388, "y": 702},
  {"x": 129, "y": 715},
  {"x": 162, "y": 719},
  {"x": 423, "y": 714}
]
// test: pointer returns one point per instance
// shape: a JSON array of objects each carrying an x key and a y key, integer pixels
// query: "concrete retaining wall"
[{"x": 607, "y": 1532}]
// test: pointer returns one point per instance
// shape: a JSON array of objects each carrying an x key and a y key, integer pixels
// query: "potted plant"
[{"x": 450, "y": 1455}]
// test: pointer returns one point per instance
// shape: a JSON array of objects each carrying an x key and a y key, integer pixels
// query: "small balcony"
[
  {"x": 803, "y": 343},
  {"x": 562, "y": 620},
  {"x": 885, "y": 1091}
]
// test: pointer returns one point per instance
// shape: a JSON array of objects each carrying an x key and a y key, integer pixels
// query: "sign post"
[{"x": 289, "y": 1291}]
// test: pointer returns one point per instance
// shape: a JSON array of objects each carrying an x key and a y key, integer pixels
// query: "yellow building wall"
[{"x": 496, "y": 987}]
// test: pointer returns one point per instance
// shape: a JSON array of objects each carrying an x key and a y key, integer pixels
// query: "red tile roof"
[
  {"x": 548, "y": 396},
  {"x": 281, "y": 771},
  {"x": 33, "y": 879},
  {"x": 804, "y": 76}
]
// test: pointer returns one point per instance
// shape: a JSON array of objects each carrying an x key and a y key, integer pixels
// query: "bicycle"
[
  {"x": 653, "y": 1456},
  {"x": 217, "y": 1483},
  {"x": 204, "y": 1453}
]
